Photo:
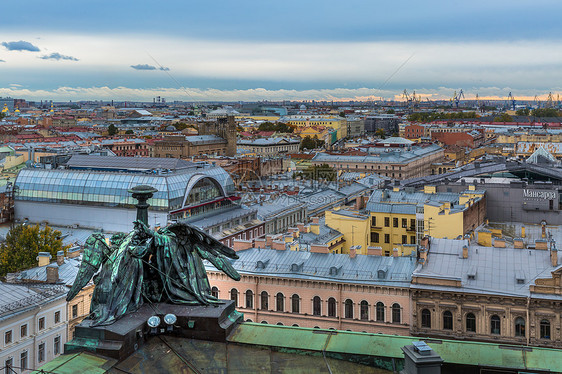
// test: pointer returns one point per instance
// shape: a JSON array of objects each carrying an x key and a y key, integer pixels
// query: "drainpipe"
[
  {"x": 257, "y": 297},
  {"x": 528, "y": 331},
  {"x": 340, "y": 308}
]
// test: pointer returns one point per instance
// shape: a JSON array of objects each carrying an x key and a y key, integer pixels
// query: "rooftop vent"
[
  {"x": 472, "y": 273},
  {"x": 262, "y": 264},
  {"x": 334, "y": 270},
  {"x": 520, "y": 277},
  {"x": 381, "y": 273}
]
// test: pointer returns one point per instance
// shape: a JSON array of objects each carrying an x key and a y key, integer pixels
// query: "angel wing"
[
  {"x": 207, "y": 247},
  {"x": 95, "y": 250}
]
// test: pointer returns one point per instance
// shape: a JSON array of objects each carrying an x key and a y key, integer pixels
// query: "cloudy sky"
[{"x": 258, "y": 50}]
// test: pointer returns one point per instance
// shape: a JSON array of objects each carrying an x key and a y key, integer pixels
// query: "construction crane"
[
  {"x": 549, "y": 101},
  {"x": 512, "y": 99},
  {"x": 477, "y": 103},
  {"x": 457, "y": 98},
  {"x": 537, "y": 102},
  {"x": 411, "y": 100}
]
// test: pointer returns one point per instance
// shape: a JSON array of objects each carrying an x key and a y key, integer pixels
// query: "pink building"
[{"x": 328, "y": 291}]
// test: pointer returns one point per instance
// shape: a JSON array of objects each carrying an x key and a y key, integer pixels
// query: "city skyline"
[{"x": 255, "y": 51}]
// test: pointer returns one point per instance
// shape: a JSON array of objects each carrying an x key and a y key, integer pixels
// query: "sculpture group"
[{"x": 146, "y": 266}]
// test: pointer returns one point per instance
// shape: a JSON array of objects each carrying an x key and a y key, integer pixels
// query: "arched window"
[
  {"x": 215, "y": 292},
  {"x": 295, "y": 325},
  {"x": 279, "y": 324},
  {"x": 316, "y": 306},
  {"x": 495, "y": 325},
  {"x": 426, "y": 318},
  {"x": 380, "y": 312},
  {"x": 470, "y": 322},
  {"x": 447, "y": 320},
  {"x": 279, "y": 302},
  {"x": 395, "y": 313},
  {"x": 234, "y": 296},
  {"x": 264, "y": 322},
  {"x": 519, "y": 326},
  {"x": 348, "y": 308},
  {"x": 331, "y": 307},
  {"x": 545, "y": 329},
  {"x": 364, "y": 310},
  {"x": 248, "y": 320},
  {"x": 264, "y": 301},
  {"x": 249, "y": 299},
  {"x": 295, "y": 303}
]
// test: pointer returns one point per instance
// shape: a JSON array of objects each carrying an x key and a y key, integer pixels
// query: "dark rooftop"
[{"x": 126, "y": 163}]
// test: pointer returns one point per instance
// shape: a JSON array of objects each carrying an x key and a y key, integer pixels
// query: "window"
[
  {"x": 495, "y": 327},
  {"x": 404, "y": 239},
  {"x": 380, "y": 312},
  {"x": 413, "y": 239},
  {"x": 470, "y": 322},
  {"x": 413, "y": 224},
  {"x": 404, "y": 223},
  {"x": 316, "y": 306},
  {"x": 264, "y": 300},
  {"x": 295, "y": 303},
  {"x": 41, "y": 353},
  {"x": 545, "y": 329},
  {"x": 75, "y": 311},
  {"x": 387, "y": 238},
  {"x": 9, "y": 363},
  {"x": 249, "y": 299},
  {"x": 23, "y": 360},
  {"x": 56, "y": 345},
  {"x": 447, "y": 320},
  {"x": 214, "y": 293},
  {"x": 364, "y": 310},
  {"x": 348, "y": 308},
  {"x": 519, "y": 327},
  {"x": 395, "y": 222},
  {"x": 41, "y": 323},
  {"x": 23, "y": 331},
  {"x": 373, "y": 221},
  {"x": 57, "y": 316},
  {"x": 374, "y": 237},
  {"x": 386, "y": 221},
  {"x": 426, "y": 318},
  {"x": 234, "y": 296},
  {"x": 8, "y": 337},
  {"x": 279, "y": 301},
  {"x": 331, "y": 307},
  {"x": 395, "y": 313}
]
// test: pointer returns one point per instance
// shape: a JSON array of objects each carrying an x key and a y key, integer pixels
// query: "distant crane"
[
  {"x": 412, "y": 100},
  {"x": 537, "y": 102},
  {"x": 549, "y": 101},
  {"x": 512, "y": 99},
  {"x": 457, "y": 98},
  {"x": 477, "y": 103}
]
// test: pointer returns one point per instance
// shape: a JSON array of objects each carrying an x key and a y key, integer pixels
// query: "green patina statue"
[{"x": 163, "y": 266}]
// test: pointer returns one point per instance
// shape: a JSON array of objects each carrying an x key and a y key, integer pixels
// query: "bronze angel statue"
[{"x": 163, "y": 266}]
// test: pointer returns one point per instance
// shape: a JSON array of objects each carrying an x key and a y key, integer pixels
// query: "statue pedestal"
[{"x": 127, "y": 334}]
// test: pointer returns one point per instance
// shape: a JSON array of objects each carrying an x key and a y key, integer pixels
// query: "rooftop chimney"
[
  {"x": 52, "y": 273},
  {"x": 465, "y": 251},
  {"x": 352, "y": 252},
  {"x": 44, "y": 258},
  {"x": 60, "y": 258},
  {"x": 553, "y": 254}
]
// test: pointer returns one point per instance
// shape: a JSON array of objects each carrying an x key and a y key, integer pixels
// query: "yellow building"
[{"x": 393, "y": 222}]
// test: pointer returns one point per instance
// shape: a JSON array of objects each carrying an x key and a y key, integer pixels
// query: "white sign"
[{"x": 546, "y": 195}]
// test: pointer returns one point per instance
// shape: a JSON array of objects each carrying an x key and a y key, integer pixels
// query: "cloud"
[
  {"x": 143, "y": 67},
  {"x": 255, "y": 94},
  {"x": 2, "y": 61},
  {"x": 163, "y": 68},
  {"x": 20, "y": 46},
  {"x": 57, "y": 56}
]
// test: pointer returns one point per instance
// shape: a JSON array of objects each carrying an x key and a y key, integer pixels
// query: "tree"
[
  {"x": 180, "y": 126},
  {"x": 380, "y": 133},
  {"x": 522, "y": 112},
  {"x": 129, "y": 132},
  {"x": 311, "y": 143},
  {"x": 317, "y": 172},
  {"x": 545, "y": 112},
  {"x": 111, "y": 130},
  {"x": 23, "y": 244},
  {"x": 390, "y": 111},
  {"x": 504, "y": 117}
]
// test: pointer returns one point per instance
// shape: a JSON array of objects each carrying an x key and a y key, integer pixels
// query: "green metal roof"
[
  {"x": 357, "y": 343},
  {"x": 85, "y": 363}
]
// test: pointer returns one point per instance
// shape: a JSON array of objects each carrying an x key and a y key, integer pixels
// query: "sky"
[{"x": 279, "y": 50}]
